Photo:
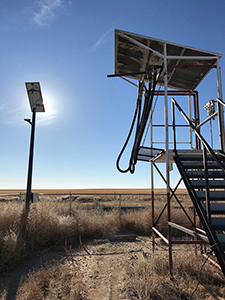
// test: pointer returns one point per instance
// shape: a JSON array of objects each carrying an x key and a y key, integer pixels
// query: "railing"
[
  {"x": 195, "y": 129},
  {"x": 207, "y": 224}
]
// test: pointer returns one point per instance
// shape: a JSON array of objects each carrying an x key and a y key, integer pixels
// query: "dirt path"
[
  {"x": 101, "y": 265},
  {"x": 104, "y": 268}
]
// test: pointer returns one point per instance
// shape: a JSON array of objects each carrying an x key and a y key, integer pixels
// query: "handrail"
[
  {"x": 220, "y": 101},
  {"x": 198, "y": 134}
]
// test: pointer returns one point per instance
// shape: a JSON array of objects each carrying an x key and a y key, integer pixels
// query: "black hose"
[
  {"x": 141, "y": 123},
  {"x": 125, "y": 145}
]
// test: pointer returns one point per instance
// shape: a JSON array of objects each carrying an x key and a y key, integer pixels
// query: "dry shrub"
[
  {"x": 186, "y": 270},
  {"x": 10, "y": 214},
  {"x": 138, "y": 222},
  {"x": 149, "y": 279},
  {"x": 12, "y": 244},
  {"x": 53, "y": 282},
  {"x": 51, "y": 224},
  {"x": 95, "y": 223}
]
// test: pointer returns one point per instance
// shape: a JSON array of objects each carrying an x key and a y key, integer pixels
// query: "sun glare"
[{"x": 51, "y": 105}]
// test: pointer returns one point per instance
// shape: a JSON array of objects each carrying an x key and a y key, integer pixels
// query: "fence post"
[
  {"x": 20, "y": 197},
  {"x": 70, "y": 202},
  {"x": 120, "y": 204}
]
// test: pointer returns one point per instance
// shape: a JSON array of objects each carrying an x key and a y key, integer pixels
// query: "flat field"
[
  {"x": 63, "y": 251},
  {"x": 92, "y": 191}
]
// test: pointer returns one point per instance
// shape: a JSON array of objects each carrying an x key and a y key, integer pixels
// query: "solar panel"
[
  {"x": 35, "y": 96},
  {"x": 187, "y": 66}
]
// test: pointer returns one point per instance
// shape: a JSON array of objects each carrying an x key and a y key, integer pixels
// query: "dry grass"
[
  {"x": 146, "y": 279},
  {"x": 52, "y": 282},
  {"x": 149, "y": 279},
  {"x": 51, "y": 224}
]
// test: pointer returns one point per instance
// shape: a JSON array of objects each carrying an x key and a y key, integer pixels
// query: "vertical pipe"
[
  {"x": 220, "y": 107},
  {"x": 190, "y": 130},
  {"x": 30, "y": 165},
  {"x": 197, "y": 119},
  {"x": 152, "y": 185},
  {"x": 167, "y": 161},
  {"x": 174, "y": 128}
]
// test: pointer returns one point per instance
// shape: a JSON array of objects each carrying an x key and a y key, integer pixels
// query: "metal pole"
[
  {"x": 30, "y": 165},
  {"x": 152, "y": 185},
  {"x": 189, "y": 108},
  {"x": 70, "y": 202},
  {"x": 120, "y": 205},
  {"x": 220, "y": 107},
  {"x": 167, "y": 162}
]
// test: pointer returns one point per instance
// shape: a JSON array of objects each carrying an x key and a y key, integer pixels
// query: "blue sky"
[{"x": 68, "y": 46}]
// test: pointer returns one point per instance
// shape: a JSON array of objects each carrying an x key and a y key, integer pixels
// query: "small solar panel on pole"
[{"x": 36, "y": 105}]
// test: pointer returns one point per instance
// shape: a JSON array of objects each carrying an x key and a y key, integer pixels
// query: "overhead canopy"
[{"x": 187, "y": 66}]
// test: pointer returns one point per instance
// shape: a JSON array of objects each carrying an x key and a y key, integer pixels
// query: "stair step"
[
  {"x": 199, "y": 157},
  {"x": 216, "y": 208},
  {"x": 200, "y": 165},
  {"x": 218, "y": 223},
  {"x": 221, "y": 238},
  {"x": 214, "y": 195},
  {"x": 196, "y": 157},
  {"x": 219, "y": 184},
  {"x": 201, "y": 174}
]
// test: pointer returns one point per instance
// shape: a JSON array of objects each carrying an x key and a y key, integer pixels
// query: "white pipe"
[
  {"x": 191, "y": 57},
  {"x": 140, "y": 44},
  {"x": 166, "y": 118},
  {"x": 206, "y": 120},
  {"x": 220, "y": 107}
]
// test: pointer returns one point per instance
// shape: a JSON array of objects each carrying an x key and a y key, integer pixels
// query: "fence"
[{"x": 106, "y": 201}]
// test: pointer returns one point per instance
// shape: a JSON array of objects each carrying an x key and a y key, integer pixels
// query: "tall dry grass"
[
  {"x": 56, "y": 281},
  {"x": 53, "y": 224},
  {"x": 149, "y": 279}
]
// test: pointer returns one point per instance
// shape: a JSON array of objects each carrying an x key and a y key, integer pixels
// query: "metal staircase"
[{"x": 205, "y": 183}]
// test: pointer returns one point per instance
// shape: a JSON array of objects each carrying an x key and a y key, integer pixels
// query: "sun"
[{"x": 51, "y": 105}]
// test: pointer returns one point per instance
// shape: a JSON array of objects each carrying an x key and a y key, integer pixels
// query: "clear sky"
[{"x": 68, "y": 46}]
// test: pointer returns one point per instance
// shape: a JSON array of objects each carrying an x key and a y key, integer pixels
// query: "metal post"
[
  {"x": 70, "y": 202},
  {"x": 174, "y": 126},
  {"x": 220, "y": 107},
  {"x": 167, "y": 161},
  {"x": 120, "y": 205},
  {"x": 190, "y": 131},
  {"x": 152, "y": 186},
  {"x": 30, "y": 165}
]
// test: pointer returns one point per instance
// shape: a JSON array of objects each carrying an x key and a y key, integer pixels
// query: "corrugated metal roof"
[{"x": 136, "y": 53}]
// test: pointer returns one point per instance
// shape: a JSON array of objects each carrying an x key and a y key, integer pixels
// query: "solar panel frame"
[
  {"x": 35, "y": 96},
  {"x": 137, "y": 53}
]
